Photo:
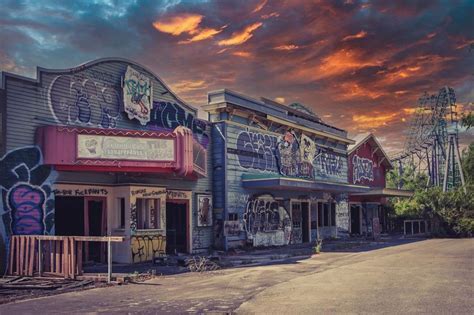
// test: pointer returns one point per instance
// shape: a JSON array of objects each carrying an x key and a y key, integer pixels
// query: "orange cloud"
[
  {"x": 342, "y": 61},
  {"x": 202, "y": 35},
  {"x": 287, "y": 47},
  {"x": 241, "y": 37},
  {"x": 361, "y": 34},
  {"x": 177, "y": 25},
  {"x": 267, "y": 16},
  {"x": 189, "y": 85},
  {"x": 365, "y": 122},
  {"x": 244, "y": 54},
  {"x": 260, "y": 6},
  {"x": 280, "y": 100}
]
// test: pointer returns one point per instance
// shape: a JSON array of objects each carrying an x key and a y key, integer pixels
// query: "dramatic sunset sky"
[{"x": 360, "y": 65}]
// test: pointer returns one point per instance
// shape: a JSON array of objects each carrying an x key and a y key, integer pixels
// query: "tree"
[
  {"x": 467, "y": 162},
  {"x": 467, "y": 120}
]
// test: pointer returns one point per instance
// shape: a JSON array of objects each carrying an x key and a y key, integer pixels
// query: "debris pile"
[{"x": 201, "y": 264}]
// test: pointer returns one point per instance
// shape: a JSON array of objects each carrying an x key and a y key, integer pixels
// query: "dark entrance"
[
  {"x": 82, "y": 216},
  {"x": 305, "y": 221},
  {"x": 176, "y": 222},
  {"x": 355, "y": 219},
  {"x": 69, "y": 216},
  {"x": 95, "y": 226}
]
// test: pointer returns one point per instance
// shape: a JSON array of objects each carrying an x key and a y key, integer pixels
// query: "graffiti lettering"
[
  {"x": 177, "y": 194},
  {"x": 147, "y": 247},
  {"x": 258, "y": 151},
  {"x": 144, "y": 193},
  {"x": 170, "y": 115},
  {"x": 232, "y": 228},
  {"x": 327, "y": 163},
  {"x": 81, "y": 192},
  {"x": 363, "y": 169},
  {"x": 26, "y": 204},
  {"x": 263, "y": 214},
  {"x": 76, "y": 100}
]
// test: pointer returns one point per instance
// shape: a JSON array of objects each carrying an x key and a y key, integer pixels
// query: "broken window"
[{"x": 148, "y": 214}]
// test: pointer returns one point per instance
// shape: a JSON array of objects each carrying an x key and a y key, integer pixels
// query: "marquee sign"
[
  {"x": 137, "y": 95},
  {"x": 124, "y": 148}
]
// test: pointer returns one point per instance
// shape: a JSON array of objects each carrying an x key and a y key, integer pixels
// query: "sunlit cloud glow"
[{"x": 241, "y": 37}]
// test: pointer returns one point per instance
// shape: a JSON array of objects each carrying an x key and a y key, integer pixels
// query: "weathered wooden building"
[
  {"x": 105, "y": 148},
  {"x": 368, "y": 165},
  {"x": 279, "y": 173}
]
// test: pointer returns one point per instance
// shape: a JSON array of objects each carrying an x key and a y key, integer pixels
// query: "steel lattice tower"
[{"x": 431, "y": 145}]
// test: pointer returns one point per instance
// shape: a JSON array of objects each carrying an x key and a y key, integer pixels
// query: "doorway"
[
  {"x": 82, "y": 216},
  {"x": 176, "y": 226},
  {"x": 305, "y": 221},
  {"x": 95, "y": 225},
  {"x": 355, "y": 219}
]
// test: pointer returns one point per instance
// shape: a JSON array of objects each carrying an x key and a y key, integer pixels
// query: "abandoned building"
[
  {"x": 105, "y": 148},
  {"x": 368, "y": 165},
  {"x": 280, "y": 173}
]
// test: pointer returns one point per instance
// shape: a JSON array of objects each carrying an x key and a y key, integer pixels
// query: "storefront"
[
  {"x": 280, "y": 173},
  {"x": 105, "y": 148},
  {"x": 368, "y": 165}
]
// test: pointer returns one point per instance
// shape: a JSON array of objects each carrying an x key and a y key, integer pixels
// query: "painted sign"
[
  {"x": 137, "y": 95},
  {"x": 362, "y": 169},
  {"x": 124, "y": 148},
  {"x": 204, "y": 210}
]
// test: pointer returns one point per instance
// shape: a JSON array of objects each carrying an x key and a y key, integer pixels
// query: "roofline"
[
  {"x": 371, "y": 135},
  {"x": 88, "y": 64},
  {"x": 273, "y": 111}
]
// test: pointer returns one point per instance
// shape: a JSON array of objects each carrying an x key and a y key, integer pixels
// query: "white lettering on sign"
[{"x": 124, "y": 148}]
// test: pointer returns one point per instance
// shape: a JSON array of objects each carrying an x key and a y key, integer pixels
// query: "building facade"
[
  {"x": 368, "y": 165},
  {"x": 279, "y": 173},
  {"x": 105, "y": 148}
]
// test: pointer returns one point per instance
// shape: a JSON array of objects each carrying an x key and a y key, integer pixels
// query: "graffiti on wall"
[
  {"x": 342, "y": 218},
  {"x": 256, "y": 151},
  {"x": 204, "y": 210},
  {"x": 287, "y": 155},
  {"x": 27, "y": 199},
  {"x": 293, "y": 159},
  {"x": 80, "y": 100},
  {"x": 147, "y": 247},
  {"x": 328, "y": 163},
  {"x": 266, "y": 221},
  {"x": 137, "y": 95},
  {"x": 170, "y": 115},
  {"x": 362, "y": 169}
]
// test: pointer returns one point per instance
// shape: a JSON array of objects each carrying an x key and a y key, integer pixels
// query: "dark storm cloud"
[{"x": 360, "y": 64}]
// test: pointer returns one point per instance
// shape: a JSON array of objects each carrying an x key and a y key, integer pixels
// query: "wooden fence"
[{"x": 44, "y": 255}]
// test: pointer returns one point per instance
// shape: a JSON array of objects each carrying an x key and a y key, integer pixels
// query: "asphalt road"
[{"x": 424, "y": 277}]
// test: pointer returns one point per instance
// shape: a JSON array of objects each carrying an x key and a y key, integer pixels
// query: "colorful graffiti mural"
[
  {"x": 362, "y": 169},
  {"x": 147, "y": 247},
  {"x": 266, "y": 221},
  {"x": 170, "y": 115},
  {"x": 27, "y": 201},
  {"x": 137, "y": 95},
  {"x": 79, "y": 100},
  {"x": 256, "y": 151},
  {"x": 291, "y": 158}
]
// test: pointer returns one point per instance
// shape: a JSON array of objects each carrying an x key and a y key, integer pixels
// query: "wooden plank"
[
  {"x": 65, "y": 258},
  {"x": 12, "y": 254},
  {"x": 82, "y": 238},
  {"x": 79, "y": 257},
  {"x": 73, "y": 258},
  {"x": 57, "y": 252},
  {"x": 31, "y": 263},
  {"x": 22, "y": 254}
]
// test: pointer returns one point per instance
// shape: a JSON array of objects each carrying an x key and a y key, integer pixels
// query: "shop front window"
[{"x": 148, "y": 214}]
